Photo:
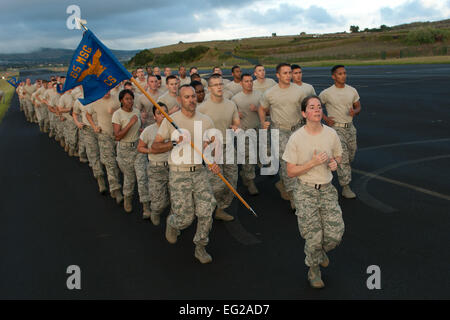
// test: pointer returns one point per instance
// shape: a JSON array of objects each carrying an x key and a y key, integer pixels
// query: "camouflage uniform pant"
[
  {"x": 44, "y": 115},
  {"x": 247, "y": 169},
  {"x": 30, "y": 108},
  {"x": 348, "y": 142},
  {"x": 107, "y": 148},
  {"x": 289, "y": 183},
  {"x": 140, "y": 166},
  {"x": 38, "y": 113},
  {"x": 71, "y": 134},
  {"x": 126, "y": 157},
  {"x": 224, "y": 196},
  {"x": 81, "y": 144},
  {"x": 93, "y": 151},
  {"x": 60, "y": 125},
  {"x": 158, "y": 182},
  {"x": 190, "y": 196},
  {"x": 52, "y": 121},
  {"x": 320, "y": 222}
]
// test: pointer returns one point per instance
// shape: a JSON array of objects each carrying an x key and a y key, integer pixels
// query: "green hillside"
[{"x": 420, "y": 39}]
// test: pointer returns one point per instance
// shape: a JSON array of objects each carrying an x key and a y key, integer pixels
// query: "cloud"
[{"x": 409, "y": 11}]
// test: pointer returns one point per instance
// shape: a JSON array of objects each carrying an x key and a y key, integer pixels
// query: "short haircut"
[
  {"x": 246, "y": 75},
  {"x": 181, "y": 67},
  {"x": 281, "y": 65},
  {"x": 162, "y": 105},
  {"x": 172, "y": 76},
  {"x": 192, "y": 68},
  {"x": 195, "y": 75},
  {"x": 306, "y": 100},
  {"x": 214, "y": 76},
  {"x": 234, "y": 68},
  {"x": 62, "y": 77},
  {"x": 295, "y": 66},
  {"x": 184, "y": 86},
  {"x": 195, "y": 83},
  {"x": 128, "y": 83},
  {"x": 258, "y": 65},
  {"x": 333, "y": 70},
  {"x": 158, "y": 76},
  {"x": 151, "y": 76},
  {"x": 124, "y": 92},
  {"x": 216, "y": 67}
]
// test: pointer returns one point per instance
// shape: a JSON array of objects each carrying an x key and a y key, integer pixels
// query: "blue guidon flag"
[
  {"x": 13, "y": 81},
  {"x": 95, "y": 68}
]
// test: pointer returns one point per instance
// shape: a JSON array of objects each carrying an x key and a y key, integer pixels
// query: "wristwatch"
[{"x": 174, "y": 143}]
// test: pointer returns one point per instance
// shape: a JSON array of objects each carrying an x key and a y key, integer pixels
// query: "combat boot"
[
  {"x": 155, "y": 218},
  {"x": 314, "y": 277},
  {"x": 66, "y": 148},
  {"x": 84, "y": 160},
  {"x": 252, "y": 187},
  {"x": 56, "y": 137},
  {"x": 222, "y": 215},
  {"x": 202, "y": 255},
  {"x": 283, "y": 193},
  {"x": 101, "y": 184},
  {"x": 50, "y": 134},
  {"x": 45, "y": 128},
  {"x": 171, "y": 234},
  {"x": 244, "y": 180},
  {"x": 326, "y": 262},
  {"x": 62, "y": 143},
  {"x": 347, "y": 192},
  {"x": 41, "y": 129},
  {"x": 117, "y": 194},
  {"x": 127, "y": 204},
  {"x": 71, "y": 153},
  {"x": 75, "y": 153},
  {"x": 147, "y": 213}
]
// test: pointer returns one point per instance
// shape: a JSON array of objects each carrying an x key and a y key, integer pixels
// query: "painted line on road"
[
  {"x": 361, "y": 183},
  {"x": 403, "y": 144},
  {"x": 403, "y": 184}
]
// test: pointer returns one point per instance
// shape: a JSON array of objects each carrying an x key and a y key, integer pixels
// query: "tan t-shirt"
[
  {"x": 234, "y": 87},
  {"x": 104, "y": 109},
  {"x": 183, "y": 122},
  {"x": 309, "y": 89},
  {"x": 122, "y": 118},
  {"x": 37, "y": 93},
  {"x": 168, "y": 100},
  {"x": 184, "y": 81},
  {"x": 28, "y": 91},
  {"x": 53, "y": 98},
  {"x": 300, "y": 149},
  {"x": 250, "y": 119},
  {"x": 148, "y": 136},
  {"x": 77, "y": 93},
  {"x": 338, "y": 102},
  {"x": 262, "y": 87},
  {"x": 284, "y": 104},
  {"x": 142, "y": 83},
  {"x": 81, "y": 109},
  {"x": 66, "y": 101},
  {"x": 144, "y": 104},
  {"x": 222, "y": 114}
]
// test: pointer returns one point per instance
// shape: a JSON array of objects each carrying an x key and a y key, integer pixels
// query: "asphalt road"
[{"x": 51, "y": 215}]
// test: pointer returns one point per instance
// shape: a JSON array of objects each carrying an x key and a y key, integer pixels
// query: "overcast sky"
[{"x": 26, "y": 25}]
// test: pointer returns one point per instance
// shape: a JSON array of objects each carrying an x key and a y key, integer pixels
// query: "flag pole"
[{"x": 193, "y": 146}]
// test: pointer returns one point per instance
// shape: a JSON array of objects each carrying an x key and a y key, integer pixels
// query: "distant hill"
[
  {"x": 418, "y": 39},
  {"x": 45, "y": 56}
]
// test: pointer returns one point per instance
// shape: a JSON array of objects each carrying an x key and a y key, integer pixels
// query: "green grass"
[{"x": 6, "y": 101}]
